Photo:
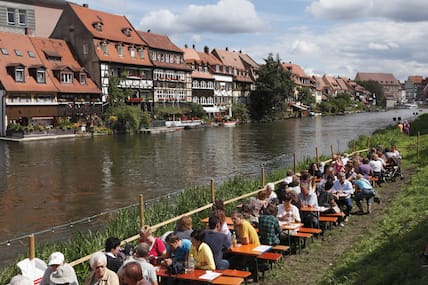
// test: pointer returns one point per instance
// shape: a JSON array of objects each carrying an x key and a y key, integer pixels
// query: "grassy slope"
[{"x": 386, "y": 250}]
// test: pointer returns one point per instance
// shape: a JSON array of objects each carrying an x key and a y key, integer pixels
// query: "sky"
[{"x": 333, "y": 37}]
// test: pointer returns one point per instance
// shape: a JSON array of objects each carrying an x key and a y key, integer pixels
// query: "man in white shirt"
[{"x": 342, "y": 191}]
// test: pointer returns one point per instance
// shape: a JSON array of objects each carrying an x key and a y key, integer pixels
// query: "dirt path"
[{"x": 312, "y": 264}]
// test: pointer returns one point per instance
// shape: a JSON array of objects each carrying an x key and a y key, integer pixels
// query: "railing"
[{"x": 31, "y": 238}]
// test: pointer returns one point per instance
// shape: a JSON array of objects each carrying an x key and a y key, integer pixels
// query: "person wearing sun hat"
[{"x": 58, "y": 270}]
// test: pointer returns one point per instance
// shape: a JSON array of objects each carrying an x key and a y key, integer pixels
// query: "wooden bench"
[
  {"x": 313, "y": 231},
  {"x": 237, "y": 273},
  {"x": 340, "y": 214},
  {"x": 280, "y": 248},
  {"x": 227, "y": 280},
  {"x": 270, "y": 258},
  {"x": 327, "y": 220},
  {"x": 301, "y": 236}
]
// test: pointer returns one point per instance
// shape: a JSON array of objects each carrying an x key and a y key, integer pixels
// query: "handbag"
[{"x": 175, "y": 268}]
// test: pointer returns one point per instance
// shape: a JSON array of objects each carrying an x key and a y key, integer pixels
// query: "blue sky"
[{"x": 335, "y": 37}]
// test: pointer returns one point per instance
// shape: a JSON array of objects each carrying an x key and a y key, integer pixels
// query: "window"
[
  {"x": 31, "y": 54},
  {"x": 19, "y": 74},
  {"x": 82, "y": 78},
  {"x": 141, "y": 53},
  {"x": 104, "y": 46},
  {"x": 119, "y": 50},
  {"x": 132, "y": 52},
  {"x": 41, "y": 76},
  {"x": 22, "y": 17},
  {"x": 11, "y": 16},
  {"x": 4, "y": 51},
  {"x": 18, "y": 52},
  {"x": 66, "y": 77}
]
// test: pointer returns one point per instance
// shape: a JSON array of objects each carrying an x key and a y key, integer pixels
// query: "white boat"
[{"x": 229, "y": 124}]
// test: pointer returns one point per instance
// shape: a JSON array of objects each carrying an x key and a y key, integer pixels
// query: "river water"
[{"x": 52, "y": 182}]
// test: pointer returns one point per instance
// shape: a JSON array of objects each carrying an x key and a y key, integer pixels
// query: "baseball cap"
[{"x": 56, "y": 258}]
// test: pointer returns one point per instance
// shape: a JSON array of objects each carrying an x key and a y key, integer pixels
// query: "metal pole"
[
  {"x": 31, "y": 247},
  {"x": 262, "y": 174},
  {"x": 212, "y": 190},
  {"x": 141, "y": 210}
]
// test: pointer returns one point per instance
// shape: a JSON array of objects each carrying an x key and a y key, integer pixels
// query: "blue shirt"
[{"x": 179, "y": 254}]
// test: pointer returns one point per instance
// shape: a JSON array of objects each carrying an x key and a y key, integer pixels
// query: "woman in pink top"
[{"x": 157, "y": 247}]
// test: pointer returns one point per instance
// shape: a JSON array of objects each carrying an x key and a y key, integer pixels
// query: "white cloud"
[
  {"x": 400, "y": 10},
  {"x": 226, "y": 16}
]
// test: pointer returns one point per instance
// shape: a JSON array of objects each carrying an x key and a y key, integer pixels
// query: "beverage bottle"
[
  {"x": 190, "y": 262},
  {"x": 234, "y": 241}
]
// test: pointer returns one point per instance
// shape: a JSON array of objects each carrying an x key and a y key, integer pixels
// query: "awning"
[{"x": 211, "y": 109}]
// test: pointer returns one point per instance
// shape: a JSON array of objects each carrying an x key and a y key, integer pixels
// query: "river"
[{"x": 52, "y": 182}]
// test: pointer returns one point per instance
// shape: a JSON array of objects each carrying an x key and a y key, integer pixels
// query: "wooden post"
[
  {"x": 31, "y": 247},
  {"x": 417, "y": 145},
  {"x": 316, "y": 155},
  {"x": 262, "y": 174},
  {"x": 294, "y": 162},
  {"x": 368, "y": 143},
  {"x": 212, "y": 190},
  {"x": 332, "y": 151},
  {"x": 141, "y": 210},
  {"x": 355, "y": 147}
]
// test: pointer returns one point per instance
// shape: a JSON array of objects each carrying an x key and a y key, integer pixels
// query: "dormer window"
[
  {"x": 41, "y": 75},
  {"x": 31, "y": 54},
  {"x": 66, "y": 77},
  {"x": 98, "y": 26},
  {"x": 52, "y": 55},
  {"x": 4, "y": 51},
  {"x": 126, "y": 31},
  {"x": 119, "y": 48},
  {"x": 18, "y": 52},
  {"x": 82, "y": 78},
  {"x": 104, "y": 46},
  {"x": 141, "y": 53},
  {"x": 19, "y": 74}
]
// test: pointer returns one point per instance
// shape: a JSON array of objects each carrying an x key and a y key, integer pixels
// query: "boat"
[
  {"x": 406, "y": 105},
  {"x": 229, "y": 124}
]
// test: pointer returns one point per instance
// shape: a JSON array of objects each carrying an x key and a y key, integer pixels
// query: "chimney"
[
  {"x": 193, "y": 46},
  {"x": 227, "y": 49},
  {"x": 85, "y": 5},
  {"x": 240, "y": 51},
  {"x": 149, "y": 30},
  {"x": 206, "y": 49},
  {"x": 185, "y": 46}
]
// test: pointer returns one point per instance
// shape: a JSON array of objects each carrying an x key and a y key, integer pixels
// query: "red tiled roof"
[
  {"x": 415, "y": 79},
  {"x": 113, "y": 55},
  {"x": 202, "y": 75},
  {"x": 22, "y": 43},
  {"x": 294, "y": 69},
  {"x": 159, "y": 41},
  {"x": 62, "y": 51},
  {"x": 240, "y": 78},
  {"x": 229, "y": 58},
  {"x": 246, "y": 58},
  {"x": 382, "y": 78},
  {"x": 113, "y": 26}
]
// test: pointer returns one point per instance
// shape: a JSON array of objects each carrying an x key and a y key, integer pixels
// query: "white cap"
[{"x": 56, "y": 258}]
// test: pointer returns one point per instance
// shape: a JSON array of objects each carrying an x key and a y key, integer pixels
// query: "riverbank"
[{"x": 384, "y": 247}]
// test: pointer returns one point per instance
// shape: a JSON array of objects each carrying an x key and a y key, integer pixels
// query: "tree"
[
  {"x": 240, "y": 112},
  {"x": 374, "y": 87},
  {"x": 273, "y": 87},
  {"x": 305, "y": 96}
]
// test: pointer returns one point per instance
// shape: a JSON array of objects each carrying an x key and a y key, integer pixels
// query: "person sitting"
[
  {"x": 57, "y": 262},
  {"x": 218, "y": 242},
  {"x": 112, "y": 249},
  {"x": 310, "y": 219},
  {"x": 148, "y": 272},
  {"x": 287, "y": 212},
  {"x": 183, "y": 228},
  {"x": 201, "y": 252},
  {"x": 157, "y": 247},
  {"x": 20, "y": 280},
  {"x": 133, "y": 274},
  {"x": 253, "y": 206},
  {"x": 342, "y": 191},
  {"x": 100, "y": 274},
  {"x": 364, "y": 190},
  {"x": 314, "y": 170},
  {"x": 219, "y": 211},
  {"x": 270, "y": 195},
  {"x": 289, "y": 176},
  {"x": 177, "y": 249},
  {"x": 377, "y": 167},
  {"x": 350, "y": 173},
  {"x": 269, "y": 229},
  {"x": 280, "y": 191},
  {"x": 337, "y": 164},
  {"x": 365, "y": 168},
  {"x": 246, "y": 233}
]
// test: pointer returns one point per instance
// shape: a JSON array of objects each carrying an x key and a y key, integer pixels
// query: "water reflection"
[{"x": 46, "y": 183}]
